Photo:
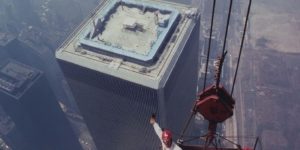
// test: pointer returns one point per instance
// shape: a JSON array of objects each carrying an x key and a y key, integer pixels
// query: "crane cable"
[
  {"x": 241, "y": 47},
  {"x": 227, "y": 26},
  {"x": 193, "y": 113},
  {"x": 209, "y": 43},
  {"x": 224, "y": 45}
]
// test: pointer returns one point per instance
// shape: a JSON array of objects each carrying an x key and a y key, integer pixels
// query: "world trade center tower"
[{"x": 130, "y": 59}]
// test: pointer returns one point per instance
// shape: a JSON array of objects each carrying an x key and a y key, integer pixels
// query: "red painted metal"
[{"x": 215, "y": 104}]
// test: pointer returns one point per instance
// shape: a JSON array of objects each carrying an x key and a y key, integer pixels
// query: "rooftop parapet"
[{"x": 129, "y": 29}]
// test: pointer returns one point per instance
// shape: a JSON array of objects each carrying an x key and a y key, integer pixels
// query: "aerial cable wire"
[
  {"x": 193, "y": 113},
  {"x": 224, "y": 44},
  {"x": 209, "y": 43},
  {"x": 227, "y": 26},
  {"x": 218, "y": 76},
  {"x": 241, "y": 47},
  {"x": 256, "y": 142}
]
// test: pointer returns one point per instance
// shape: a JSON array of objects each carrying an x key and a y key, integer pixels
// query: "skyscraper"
[
  {"x": 131, "y": 59},
  {"x": 28, "y": 100}
]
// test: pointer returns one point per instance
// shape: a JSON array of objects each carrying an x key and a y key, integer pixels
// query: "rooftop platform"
[
  {"x": 139, "y": 41},
  {"x": 16, "y": 78},
  {"x": 132, "y": 29}
]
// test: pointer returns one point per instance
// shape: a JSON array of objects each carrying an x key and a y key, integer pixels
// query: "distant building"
[
  {"x": 38, "y": 121},
  {"x": 129, "y": 60}
]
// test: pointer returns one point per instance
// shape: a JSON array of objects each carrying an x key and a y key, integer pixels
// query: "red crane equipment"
[{"x": 214, "y": 102}]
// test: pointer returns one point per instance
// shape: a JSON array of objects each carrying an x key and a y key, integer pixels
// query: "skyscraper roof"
[{"x": 138, "y": 41}]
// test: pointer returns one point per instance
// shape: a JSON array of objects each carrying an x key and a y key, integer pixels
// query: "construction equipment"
[{"x": 214, "y": 102}]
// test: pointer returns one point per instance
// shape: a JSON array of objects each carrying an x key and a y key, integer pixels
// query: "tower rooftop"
[{"x": 139, "y": 41}]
